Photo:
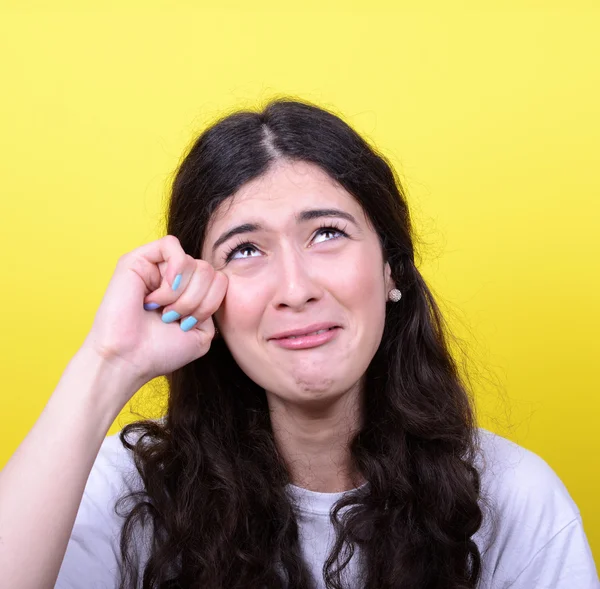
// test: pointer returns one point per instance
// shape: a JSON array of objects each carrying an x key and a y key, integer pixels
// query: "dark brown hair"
[{"x": 213, "y": 478}]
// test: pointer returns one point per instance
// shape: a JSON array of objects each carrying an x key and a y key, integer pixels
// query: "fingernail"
[
  {"x": 151, "y": 306},
  {"x": 177, "y": 282},
  {"x": 188, "y": 323},
  {"x": 171, "y": 316}
]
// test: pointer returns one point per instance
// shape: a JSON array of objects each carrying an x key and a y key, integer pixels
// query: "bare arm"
[{"x": 42, "y": 485}]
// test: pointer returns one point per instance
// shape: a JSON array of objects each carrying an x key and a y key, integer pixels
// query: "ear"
[{"x": 389, "y": 283}]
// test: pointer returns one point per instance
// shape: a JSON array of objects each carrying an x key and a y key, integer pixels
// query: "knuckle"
[
  {"x": 200, "y": 318},
  {"x": 136, "y": 263},
  {"x": 174, "y": 246},
  {"x": 124, "y": 259},
  {"x": 210, "y": 329},
  {"x": 204, "y": 267},
  {"x": 171, "y": 240},
  {"x": 205, "y": 321},
  {"x": 190, "y": 264}
]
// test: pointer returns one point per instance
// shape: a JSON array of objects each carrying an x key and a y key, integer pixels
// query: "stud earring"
[{"x": 394, "y": 295}]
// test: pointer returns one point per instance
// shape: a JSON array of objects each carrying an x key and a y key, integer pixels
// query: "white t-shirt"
[{"x": 539, "y": 542}]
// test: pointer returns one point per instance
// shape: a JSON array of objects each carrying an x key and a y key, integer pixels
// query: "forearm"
[{"x": 42, "y": 484}]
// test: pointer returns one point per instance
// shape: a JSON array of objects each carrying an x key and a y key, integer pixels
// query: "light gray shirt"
[{"x": 539, "y": 541}]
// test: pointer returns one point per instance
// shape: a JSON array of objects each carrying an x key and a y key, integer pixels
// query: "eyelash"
[{"x": 332, "y": 227}]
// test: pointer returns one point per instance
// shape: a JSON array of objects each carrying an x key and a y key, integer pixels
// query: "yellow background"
[{"x": 489, "y": 115}]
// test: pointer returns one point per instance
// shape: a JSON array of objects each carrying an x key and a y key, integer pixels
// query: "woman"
[{"x": 317, "y": 432}]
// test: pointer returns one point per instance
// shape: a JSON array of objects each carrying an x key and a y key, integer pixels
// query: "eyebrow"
[{"x": 303, "y": 216}]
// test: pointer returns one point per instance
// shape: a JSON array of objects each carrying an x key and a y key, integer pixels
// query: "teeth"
[{"x": 313, "y": 333}]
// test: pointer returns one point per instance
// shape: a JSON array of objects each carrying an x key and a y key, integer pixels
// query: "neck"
[{"x": 314, "y": 441}]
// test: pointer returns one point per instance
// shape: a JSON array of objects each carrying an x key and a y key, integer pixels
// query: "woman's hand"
[{"x": 139, "y": 340}]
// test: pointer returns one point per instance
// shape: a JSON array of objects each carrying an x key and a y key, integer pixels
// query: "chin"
[
  {"x": 314, "y": 387},
  {"x": 319, "y": 389}
]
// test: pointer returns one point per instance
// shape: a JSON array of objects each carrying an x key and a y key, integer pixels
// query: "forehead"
[{"x": 275, "y": 196}]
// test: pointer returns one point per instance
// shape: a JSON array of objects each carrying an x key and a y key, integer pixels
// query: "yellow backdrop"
[{"x": 491, "y": 118}]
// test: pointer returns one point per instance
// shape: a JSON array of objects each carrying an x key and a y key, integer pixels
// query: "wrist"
[{"x": 104, "y": 385}]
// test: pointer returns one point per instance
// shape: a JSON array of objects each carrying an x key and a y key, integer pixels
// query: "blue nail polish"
[
  {"x": 188, "y": 323},
  {"x": 171, "y": 316},
  {"x": 177, "y": 282},
  {"x": 151, "y": 306}
]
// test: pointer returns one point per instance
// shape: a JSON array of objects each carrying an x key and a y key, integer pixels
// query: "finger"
[
  {"x": 212, "y": 301},
  {"x": 168, "y": 256},
  {"x": 194, "y": 293},
  {"x": 183, "y": 269},
  {"x": 207, "y": 327}
]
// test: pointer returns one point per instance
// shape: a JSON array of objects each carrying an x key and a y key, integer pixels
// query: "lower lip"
[{"x": 304, "y": 342}]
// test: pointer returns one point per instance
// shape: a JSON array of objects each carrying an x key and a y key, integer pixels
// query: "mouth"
[
  {"x": 306, "y": 334},
  {"x": 316, "y": 328},
  {"x": 309, "y": 337}
]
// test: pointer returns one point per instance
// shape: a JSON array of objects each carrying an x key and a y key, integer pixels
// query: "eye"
[
  {"x": 245, "y": 247},
  {"x": 331, "y": 230},
  {"x": 241, "y": 248}
]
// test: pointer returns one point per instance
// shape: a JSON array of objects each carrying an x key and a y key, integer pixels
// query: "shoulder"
[
  {"x": 518, "y": 479},
  {"x": 529, "y": 517}
]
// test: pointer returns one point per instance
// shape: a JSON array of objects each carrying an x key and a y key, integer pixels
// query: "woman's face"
[{"x": 300, "y": 256}]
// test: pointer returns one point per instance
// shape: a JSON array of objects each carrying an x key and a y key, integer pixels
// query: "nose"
[{"x": 295, "y": 282}]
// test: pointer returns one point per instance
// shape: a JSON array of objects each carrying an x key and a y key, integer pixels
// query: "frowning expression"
[{"x": 301, "y": 256}]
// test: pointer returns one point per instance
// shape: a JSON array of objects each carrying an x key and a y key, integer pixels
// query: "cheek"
[
  {"x": 242, "y": 307},
  {"x": 359, "y": 283}
]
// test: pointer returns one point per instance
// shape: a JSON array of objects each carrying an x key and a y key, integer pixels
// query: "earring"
[{"x": 394, "y": 295}]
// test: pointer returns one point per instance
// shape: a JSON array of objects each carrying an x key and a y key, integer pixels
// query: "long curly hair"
[{"x": 214, "y": 482}]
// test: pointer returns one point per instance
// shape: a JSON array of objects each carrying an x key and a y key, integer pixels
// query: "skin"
[{"x": 293, "y": 275}]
